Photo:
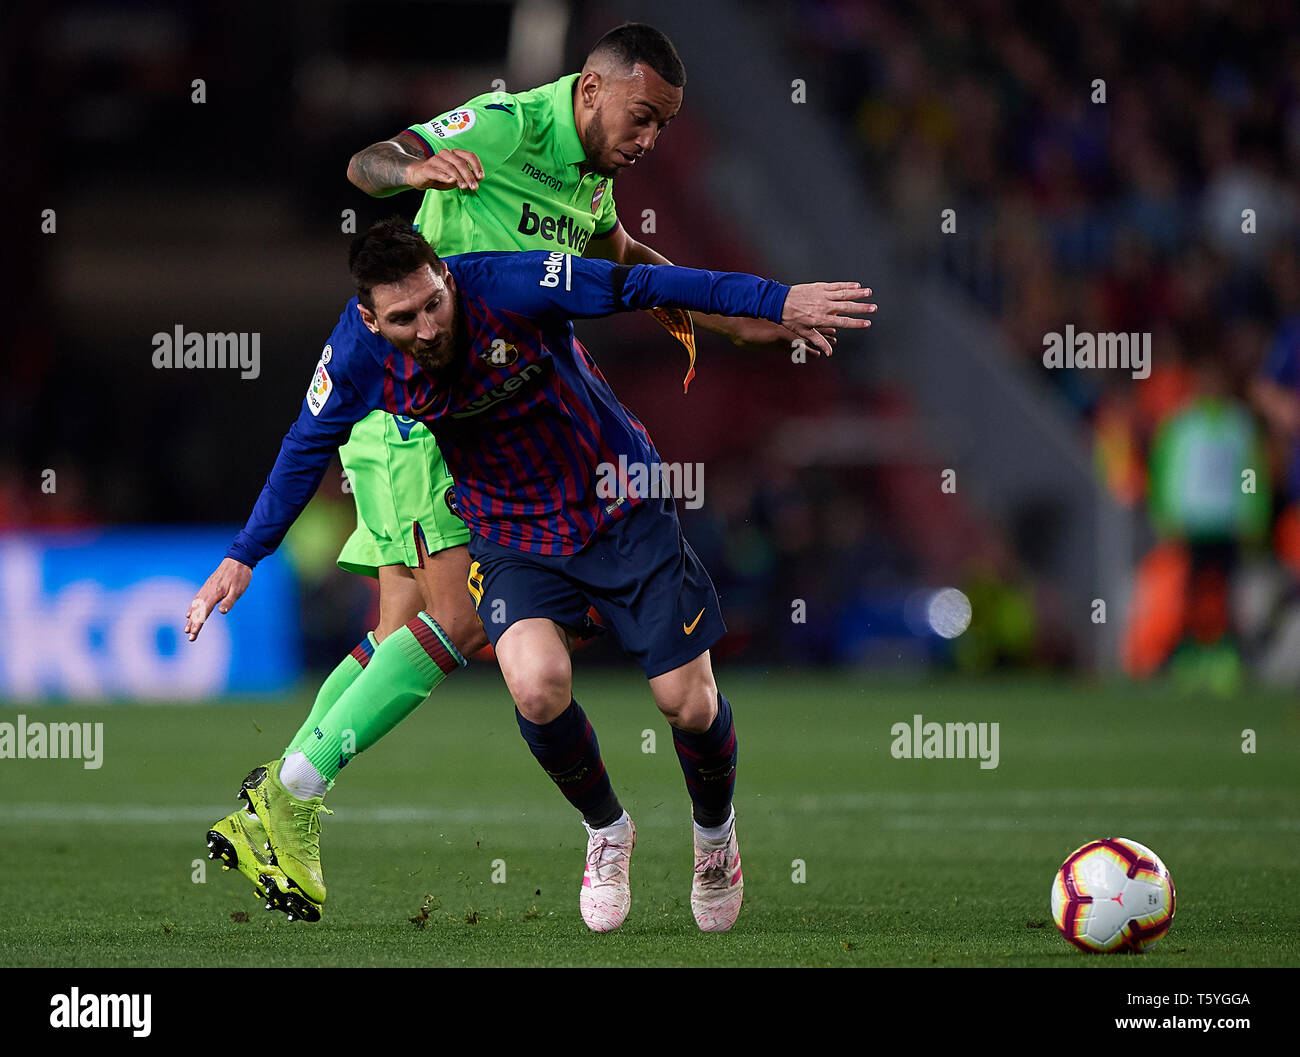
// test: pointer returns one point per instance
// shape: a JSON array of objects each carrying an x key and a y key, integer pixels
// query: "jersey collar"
[{"x": 568, "y": 145}]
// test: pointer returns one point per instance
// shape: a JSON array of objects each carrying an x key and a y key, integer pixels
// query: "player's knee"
[
  {"x": 694, "y": 710},
  {"x": 543, "y": 690},
  {"x": 539, "y": 706}
]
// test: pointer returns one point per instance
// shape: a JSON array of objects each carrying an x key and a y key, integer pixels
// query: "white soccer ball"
[{"x": 1113, "y": 895}]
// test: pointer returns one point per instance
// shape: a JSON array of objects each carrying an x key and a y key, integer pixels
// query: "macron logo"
[{"x": 102, "y": 1011}]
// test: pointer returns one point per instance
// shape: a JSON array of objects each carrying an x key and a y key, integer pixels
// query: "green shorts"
[{"x": 403, "y": 491}]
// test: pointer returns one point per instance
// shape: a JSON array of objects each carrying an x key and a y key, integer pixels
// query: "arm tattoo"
[{"x": 380, "y": 169}]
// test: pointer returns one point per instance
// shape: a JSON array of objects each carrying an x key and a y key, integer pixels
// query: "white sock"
[
  {"x": 301, "y": 778},
  {"x": 717, "y": 834},
  {"x": 622, "y": 821}
]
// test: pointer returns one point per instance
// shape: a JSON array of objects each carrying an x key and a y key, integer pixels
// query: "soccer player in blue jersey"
[
  {"x": 523, "y": 171},
  {"x": 480, "y": 348}
]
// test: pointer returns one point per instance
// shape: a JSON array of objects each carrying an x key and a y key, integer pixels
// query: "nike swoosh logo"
[
  {"x": 258, "y": 854},
  {"x": 417, "y": 411},
  {"x": 691, "y": 627}
]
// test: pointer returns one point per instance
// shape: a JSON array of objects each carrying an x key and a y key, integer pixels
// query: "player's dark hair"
[
  {"x": 635, "y": 42},
  {"x": 387, "y": 253}
]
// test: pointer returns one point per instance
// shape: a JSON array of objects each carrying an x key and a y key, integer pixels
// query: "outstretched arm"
[
  {"x": 621, "y": 248},
  {"x": 806, "y": 310},
  {"x": 559, "y": 285}
]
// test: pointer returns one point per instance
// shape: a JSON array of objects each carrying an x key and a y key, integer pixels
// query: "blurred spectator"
[
  {"x": 1276, "y": 395},
  {"x": 1122, "y": 169},
  {"x": 1209, "y": 500}
]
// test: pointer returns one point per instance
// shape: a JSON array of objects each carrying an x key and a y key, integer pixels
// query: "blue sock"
[
  {"x": 568, "y": 751},
  {"x": 708, "y": 760}
]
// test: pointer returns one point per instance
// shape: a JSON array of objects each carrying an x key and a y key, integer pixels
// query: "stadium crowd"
[
  {"x": 1098, "y": 158},
  {"x": 1122, "y": 168}
]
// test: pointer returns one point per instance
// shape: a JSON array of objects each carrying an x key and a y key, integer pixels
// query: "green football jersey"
[
  {"x": 1198, "y": 459},
  {"x": 536, "y": 192}
]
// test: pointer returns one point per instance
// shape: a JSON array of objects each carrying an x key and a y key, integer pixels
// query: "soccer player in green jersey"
[{"x": 527, "y": 171}]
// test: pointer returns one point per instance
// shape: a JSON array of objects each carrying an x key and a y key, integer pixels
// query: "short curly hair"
[
  {"x": 635, "y": 42},
  {"x": 387, "y": 253}
]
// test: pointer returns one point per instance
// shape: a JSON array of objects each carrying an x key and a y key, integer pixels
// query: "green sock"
[
  {"x": 404, "y": 670},
  {"x": 333, "y": 687}
]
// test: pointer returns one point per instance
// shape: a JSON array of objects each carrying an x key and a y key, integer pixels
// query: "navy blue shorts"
[{"x": 641, "y": 576}]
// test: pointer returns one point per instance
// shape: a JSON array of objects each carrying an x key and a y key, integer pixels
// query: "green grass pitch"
[{"x": 851, "y": 857}]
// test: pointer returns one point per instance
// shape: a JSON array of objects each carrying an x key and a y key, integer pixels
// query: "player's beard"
[
  {"x": 437, "y": 358},
  {"x": 599, "y": 153}
]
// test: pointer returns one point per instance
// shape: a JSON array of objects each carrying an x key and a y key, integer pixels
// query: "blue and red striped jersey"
[{"x": 525, "y": 420}]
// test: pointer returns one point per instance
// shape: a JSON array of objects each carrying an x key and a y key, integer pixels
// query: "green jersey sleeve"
[{"x": 492, "y": 130}]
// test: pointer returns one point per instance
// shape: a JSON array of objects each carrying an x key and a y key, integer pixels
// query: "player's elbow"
[{"x": 354, "y": 170}]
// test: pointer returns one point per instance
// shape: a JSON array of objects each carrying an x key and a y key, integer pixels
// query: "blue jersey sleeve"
[
  {"x": 541, "y": 285},
  {"x": 719, "y": 293},
  {"x": 330, "y": 409}
]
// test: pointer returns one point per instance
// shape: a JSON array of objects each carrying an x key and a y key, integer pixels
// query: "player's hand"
[
  {"x": 445, "y": 171},
  {"x": 222, "y": 590},
  {"x": 759, "y": 335},
  {"x": 812, "y": 308}
]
